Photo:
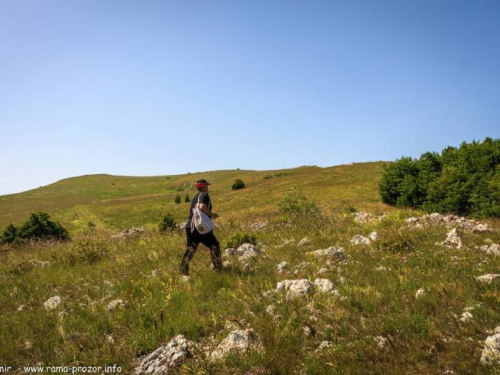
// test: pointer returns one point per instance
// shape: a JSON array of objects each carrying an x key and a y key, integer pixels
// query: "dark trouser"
[{"x": 193, "y": 240}]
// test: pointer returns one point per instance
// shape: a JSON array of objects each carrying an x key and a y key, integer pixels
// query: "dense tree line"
[{"x": 463, "y": 180}]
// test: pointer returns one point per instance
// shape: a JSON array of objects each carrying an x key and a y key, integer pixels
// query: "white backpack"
[{"x": 200, "y": 220}]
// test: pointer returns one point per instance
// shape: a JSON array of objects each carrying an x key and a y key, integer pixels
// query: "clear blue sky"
[{"x": 163, "y": 87}]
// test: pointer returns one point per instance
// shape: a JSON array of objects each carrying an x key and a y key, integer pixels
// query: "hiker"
[{"x": 194, "y": 237}]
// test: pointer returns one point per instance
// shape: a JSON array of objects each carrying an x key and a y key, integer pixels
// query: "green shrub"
[
  {"x": 463, "y": 181},
  {"x": 187, "y": 199},
  {"x": 39, "y": 226},
  {"x": 348, "y": 208},
  {"x": 297, "y": 204},
  {"x": 238, "y": 239},
  {"x": 177, "y": 199},
  {"x": 167, "y": 224},
  {"x": 9, "y": 235},
  {"x": 267, "y": 177},
  {"x": 238, "y": 184}
]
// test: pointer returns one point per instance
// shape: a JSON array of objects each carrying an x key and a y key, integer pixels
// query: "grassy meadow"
[{"x": 377, "y": 282}]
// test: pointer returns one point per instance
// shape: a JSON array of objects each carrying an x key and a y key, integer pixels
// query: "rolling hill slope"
[{"x": 116, "y": 202}]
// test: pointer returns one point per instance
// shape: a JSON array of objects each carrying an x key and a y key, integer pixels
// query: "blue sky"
[{"x": 160, "y": 87}]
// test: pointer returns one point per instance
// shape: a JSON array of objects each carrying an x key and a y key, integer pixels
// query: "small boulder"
[
  {"x": 324, "y": 285},
  {"x": 487, "y": 278},
  {"x": 453, "y": 239},
  {"x": 324, "y": 345},
  {"x": 303, "y": 242},
  {"x": 491, "y": 352},
  {"x": 301, "y": 266},
  {"x": 360, "y": 240},
  {"x": 247, "y": 250},
  {"x": 117, "y": 303},
  {"x": 373, "y": 236},
  {"x": 420, "y": 293},
  {"x": 331, "y": 252},
  {"x": 466, "y": 316},
  {"x": 295, "y": 288},
  {"x": 167, "y": 358},
  {"x": 242, "y": 341},
  {"x": 282, "y": 267}
]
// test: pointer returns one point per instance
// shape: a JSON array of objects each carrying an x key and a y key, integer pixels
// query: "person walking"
[{"x": 194, "y": 238}]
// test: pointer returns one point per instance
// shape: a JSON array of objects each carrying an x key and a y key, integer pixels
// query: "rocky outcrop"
[
  {"x": 167, "y": 358},
  {"x": 488, "y": 278},
  {"x": 467, "y": 225},
  {"x": 453, "y": 239},
  {"x": 130, "y": 232},
  {"x": 295, "y": 288},
  {"x": 491, "y": 351},
  {"x": 362, "y": 240},
  {"x": 241, "y": 341},
  {"x": 331, "y": 252}
]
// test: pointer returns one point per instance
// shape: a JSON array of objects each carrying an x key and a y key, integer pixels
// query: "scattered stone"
[
  {"x": 381, "y": 342},
  {"x": 295, "y": 288},
  {"x": 28, "y": 345},
  {"x": 185, "y": 278},
  {"x": 331, "y": 252},
  {"x": 493, "y": 249},
  {"x": 167, "y": 358},
  {"x": 467, "y": 225},
  {"x": 226, "y": 264},
  {"x": 271, "y": 310},
  {"x": 282, "y": 267},
  {"x": 324, "y": 345},
  {"x": 301, "y": 266},
  {"x": 130, "y": 232},
  {"x": 373, "y": 236},
  {"x": 247, "y": 250},
  {"x": 364, "y": 217},
  {"x": 52, "y": 303},
  {"x": 41, "y": 263},
  {"x": 242, "y": 341},
  {"x": 420, "y": 293},
  {"x": 466, "y": 316},
  {"x": 308, "y": 330},
  {"x": 381, "y": 269},
  {"x": 324, "y": 285},
  {"x": 304, "y": 241},
  {"x": 322, "y": 271},
  {"x": 491, "y": 352},
  {"x": 360, "y": 240},
  {"x": 269, "y": 294},
  {"x": 286, "y": 243},
  {"x": 259, "y": 225},
  {"x": 488, "y": 278},
  {"x": 453, "y": 239},
  {"x": 182, "y": 226},
  {"x": 20, "y": 308},
  {"x": 117, "y": 303}
]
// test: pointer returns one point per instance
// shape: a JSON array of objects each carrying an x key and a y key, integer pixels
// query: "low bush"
[
  {"x": 238, "y": 184},
  {"x": 167, "y": 223},
  {"x": 37, "y": 227},
  {"x": 238, "y": 239}
]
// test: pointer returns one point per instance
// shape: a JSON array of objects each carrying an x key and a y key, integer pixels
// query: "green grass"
[
  {"x": 424, "y": 335},
  {"x": 116, "y": 202}
]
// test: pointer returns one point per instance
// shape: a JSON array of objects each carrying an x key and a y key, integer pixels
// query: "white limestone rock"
[
  {"x": 491, "y": 351},
  {"x": 242, "y": 341},
  {"x": 295, "y": 288},
  {"x": 167, "y": 358},
  {"x": 52, "y": 303}
]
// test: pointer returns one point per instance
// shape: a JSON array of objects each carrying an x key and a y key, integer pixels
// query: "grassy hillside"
[
  {"x": 116, "y": 202},
  {"x": 376, "y": 323}
]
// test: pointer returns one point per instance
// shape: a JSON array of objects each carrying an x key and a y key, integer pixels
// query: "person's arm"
[{"x": 204, "y": 208}]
